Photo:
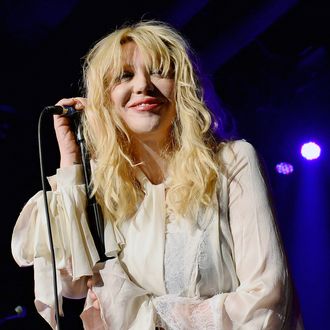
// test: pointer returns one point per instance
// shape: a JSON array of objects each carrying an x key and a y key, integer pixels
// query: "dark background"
[{"x": 269, "y": 62}]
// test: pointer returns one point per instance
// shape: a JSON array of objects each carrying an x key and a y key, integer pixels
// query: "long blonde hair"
[{"x": 193, "y": 168}]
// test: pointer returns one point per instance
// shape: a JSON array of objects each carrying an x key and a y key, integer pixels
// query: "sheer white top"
[{"x": 223, "y": 270}]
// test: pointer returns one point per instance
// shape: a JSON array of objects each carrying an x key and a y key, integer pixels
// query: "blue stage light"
[
  {"x": 310, "y": 151},
  {"x": 284, "y": 168}
]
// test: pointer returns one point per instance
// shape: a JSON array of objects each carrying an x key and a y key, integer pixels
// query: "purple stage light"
[
  {"x": 310, "y": 151},
  {"x": 284, "y": 168}
]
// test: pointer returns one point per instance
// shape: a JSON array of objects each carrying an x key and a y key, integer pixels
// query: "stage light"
[
  {"x": 310, "y": 151},
  {"x": 284, "y": 168}
]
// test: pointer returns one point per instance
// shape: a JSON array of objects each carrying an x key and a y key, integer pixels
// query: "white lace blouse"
[{"x": 224, "y": 270}]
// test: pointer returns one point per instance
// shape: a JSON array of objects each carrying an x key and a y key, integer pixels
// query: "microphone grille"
[{"x": 19, "y": 309}]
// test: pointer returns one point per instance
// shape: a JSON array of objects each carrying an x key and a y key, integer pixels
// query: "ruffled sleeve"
[
  {"x": 74, "y": 247},
  {"x": 123, "y": 304},
  {"x": 263, "y": 297}
]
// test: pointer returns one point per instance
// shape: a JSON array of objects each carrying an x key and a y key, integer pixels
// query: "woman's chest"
[{"x": 188, "y": 257}]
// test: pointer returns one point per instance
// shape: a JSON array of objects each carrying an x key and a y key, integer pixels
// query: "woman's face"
[{"x": 144, "y": 100}]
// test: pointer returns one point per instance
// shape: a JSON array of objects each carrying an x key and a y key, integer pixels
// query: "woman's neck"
[{"x": 149, "y": 154}]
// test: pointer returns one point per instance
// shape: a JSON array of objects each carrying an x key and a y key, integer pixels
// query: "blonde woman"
[{"x": 186, "y": 217}]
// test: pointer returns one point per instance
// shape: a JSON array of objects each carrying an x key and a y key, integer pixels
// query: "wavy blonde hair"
[{"x": 192, "y": 152}]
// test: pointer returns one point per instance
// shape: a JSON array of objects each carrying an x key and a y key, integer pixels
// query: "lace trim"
[
  {"x": 174, "y": 263},
  {"x": 185, "y": 254},
  {"x": 187, "y": 313}
]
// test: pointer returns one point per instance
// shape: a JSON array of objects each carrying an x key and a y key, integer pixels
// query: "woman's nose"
[{"x": 142, "y": 83}]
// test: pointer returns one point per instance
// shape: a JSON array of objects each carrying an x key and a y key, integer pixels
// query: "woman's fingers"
[
  {"x": 80, "y": 103},
  {"x": 70, "y": 153},
  {"x": 90, "y": 283},
  {"x": 93, "y": 296},
  {"x": 77, "y": 102},
  {"x": 96, "y": 304}
]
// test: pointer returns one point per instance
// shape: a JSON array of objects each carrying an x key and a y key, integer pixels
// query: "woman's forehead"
[{"x": 131, "y": 53}]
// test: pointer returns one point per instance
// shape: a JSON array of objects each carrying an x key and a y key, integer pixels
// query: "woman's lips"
[{"x": 146, "y": 104}]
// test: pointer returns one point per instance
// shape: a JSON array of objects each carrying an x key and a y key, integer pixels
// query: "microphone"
[
  {"x": 20, "y": 313},
  {"x": 66, "y": 111}
]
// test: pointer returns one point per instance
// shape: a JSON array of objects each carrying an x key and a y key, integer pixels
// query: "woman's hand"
[
  {"x": 69, "y": 150},
  {"x": 90, "y": 284}
]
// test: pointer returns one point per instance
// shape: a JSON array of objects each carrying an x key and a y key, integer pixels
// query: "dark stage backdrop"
[{"x": 269, "y": 63}]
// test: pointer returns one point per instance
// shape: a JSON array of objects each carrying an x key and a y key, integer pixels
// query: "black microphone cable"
[
  {"x": 93, "y": 210},
  {"x": 49, "y": 229}
]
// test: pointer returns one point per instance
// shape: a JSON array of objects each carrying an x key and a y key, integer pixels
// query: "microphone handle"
[{"x": 67, "y": 111}]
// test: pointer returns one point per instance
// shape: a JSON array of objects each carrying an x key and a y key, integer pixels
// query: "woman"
[{"x": 187, "y": 217}]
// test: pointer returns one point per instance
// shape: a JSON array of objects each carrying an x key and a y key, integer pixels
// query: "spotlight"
[
  {"x": 284, "y": 168},
  {"x": 310, "y": 151}
]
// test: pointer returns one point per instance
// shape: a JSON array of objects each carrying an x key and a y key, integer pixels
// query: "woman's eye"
[
  {"x": 162, "y": 74},
  {"x": 157, "y": 72},
  {"x": 126, "y": 75}
]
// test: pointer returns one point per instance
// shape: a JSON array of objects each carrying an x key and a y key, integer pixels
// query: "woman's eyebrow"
[{"x": 127, "y": 66}]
